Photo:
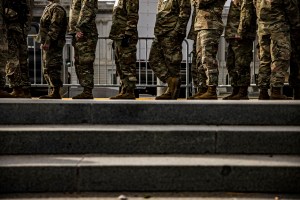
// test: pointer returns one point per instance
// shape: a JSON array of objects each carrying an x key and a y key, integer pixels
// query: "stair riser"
[
  {"x": 150, "y": 178},
  {"x": 55, "y": 112},
  {"x": 150, "y": 142}
]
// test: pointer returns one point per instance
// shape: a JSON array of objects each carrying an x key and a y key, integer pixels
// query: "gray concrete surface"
[{"x": 153, "y": 196}]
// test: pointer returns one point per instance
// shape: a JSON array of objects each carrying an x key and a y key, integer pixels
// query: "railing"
[{"x": 105, "y": 69}]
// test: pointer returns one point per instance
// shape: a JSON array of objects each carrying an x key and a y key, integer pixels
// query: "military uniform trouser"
[
  {"x": 294, "y": 79},
  {"x": 125, "y": 59},
  {"x": 207, "y": 49},
  {"x": 84, "y": 49},
  {"x": 166, "y": 56},
  {"x": 239, "y": 57},
  {"x": 17, "y": 68},
  {"x": 3, "y": 56},
  {"x": 275, "y": 52},
  {"x": 197, "y": 71},
  {"x": 52, "y": 65}
]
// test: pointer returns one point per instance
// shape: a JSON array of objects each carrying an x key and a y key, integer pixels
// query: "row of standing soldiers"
[{"x": 275, "y": 22}]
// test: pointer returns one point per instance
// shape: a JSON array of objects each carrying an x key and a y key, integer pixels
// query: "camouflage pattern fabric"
[
  {"x": 207, "y": 49},
  {"x": 239, "y": 57},
  {"x": 208, "y": 23},
  {"x": 274, "y": 20},
  {"x": 197, "y": 76},
  {"x": 170, "y": 29},
  {"x": 124, "y": 26},
  {"x": 53, "y": 27},
  {"x": 172, "y": 16},
  {"x": 239, "y": 53},
  {"x": 247, "y": 26},
  {"x": 17, "y": 69},
  {"x": 3, "y": 45},
  {"x": 82, "y": 19},
  {"x": 209, "y": 14},
  {"x": 294, "y": 79}
]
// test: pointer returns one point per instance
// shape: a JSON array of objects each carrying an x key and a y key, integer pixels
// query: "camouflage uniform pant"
[
  {"x": 275, "y": 52},
  {"x": 3, "y": 56},
  {"x": 294, "y": 78},
  {"x": 84, "y": 59},
  {"x": 239, "y": 57},
  {"x": 207, "y": 49},
  {"x": 165, "y": 57},
  {"x": 17, "y": 69},
  {"x": 197, "y": 72},
  {"x": 52, "y": 65},
  {"x": 125, "y": 59}
]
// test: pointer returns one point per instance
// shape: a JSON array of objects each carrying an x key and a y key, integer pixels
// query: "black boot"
[
  {"x": 276, "y": 94},
  {"x": 86, "y": 94},
  {"x": 201, "y": 91},
  {"x": 54, "y": 94},
  {"x": 263, "y": 94},
  {"x": 235, "y": 91},
  {"x": 242, "y": 94}
]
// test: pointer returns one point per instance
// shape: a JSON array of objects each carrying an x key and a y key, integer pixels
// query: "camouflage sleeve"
[
  {"x": 292, "y": 11},
  {"x": 248, "y": 15},
  {"x": 184, "y": 15},
  {"x": 87, "y": 13},
  {"x": 132, "y": 8},
  {"x": 57, "y": 20},
  {"x": 30, "y": 4}
]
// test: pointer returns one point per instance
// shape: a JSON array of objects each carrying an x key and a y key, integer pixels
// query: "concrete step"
[
  {"x": 148, "y": 139},
  {"x": 151, "y": 196},
  {"x": 146, "y": 173},
  {"x": 220, "y": 112}
]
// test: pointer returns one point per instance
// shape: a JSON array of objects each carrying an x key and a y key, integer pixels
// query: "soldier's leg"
[
  {"x": 127, "y": 68},
  {"x": 231, "y": 67},
  {"x": 280, "y": 54},
  {"x": 264, "y": 71},
  {"x": 209, "y": 42},
  {"x": 157, "y": 60},
  {"x": 85, "y": 66},
  {"x": 243, "y": 52},
  {"x": 52, "y": 60},
  {"x": 13, "y": 70},
  {"x": 194, "y": 70},
  {"x": 24, "y": 67}
]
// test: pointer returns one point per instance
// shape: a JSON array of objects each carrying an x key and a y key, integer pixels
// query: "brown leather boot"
[
  {"x": 129, "y": 94},
  {"x": 173, "y": 89},
  {"x": 297, "y": 93},
  {"x": 54, "y": 94},
  {"x": 210, "y": 94},
  {"x": 276, "y": 94},
  {"x": 235, "y": 91},
  {"x": 242, "y": 94},
  {"x": 201, "y": 91},
  {"x": 86, "y": 94},
  {"x": 4, "y": 94},
  {"x": 122, "y": 92},
  {"x": 17, "y": 92},
  {"x": 263, "y": 94}
]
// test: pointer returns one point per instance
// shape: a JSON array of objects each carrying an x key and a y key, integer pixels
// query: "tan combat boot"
[
  {"x": 54, "y": 94},
  {"x": 235, "y": 91},
  {"x": 242, "y": 94},
  {"x": 4, "y": 94},
  {"x": 210, "y": 94},
  {"x": 17, "y": 92},
  {"x": 172, "y": 91},
  {"x": 263, "y": 94},
  {"x": 86, "y": 94},
  {"x": 122, "y": 92},
  {"x": 297, "y": 93},
  {"x": 129, "y": 94},
  {"x": 201, "y": 90},
  {"x": 276, "y": 94}
]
